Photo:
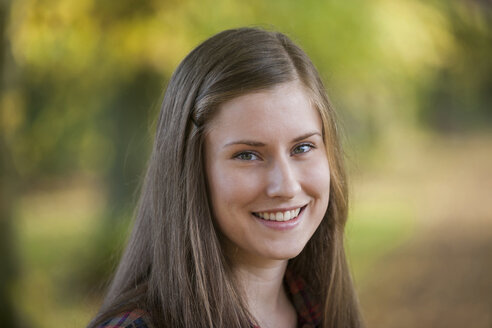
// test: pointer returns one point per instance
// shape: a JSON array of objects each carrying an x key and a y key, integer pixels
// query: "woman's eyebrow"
[
  {"x": 245, "y": 142},
  {"x": 253, "y": 143},
  {"x": 306, "y": 135}
]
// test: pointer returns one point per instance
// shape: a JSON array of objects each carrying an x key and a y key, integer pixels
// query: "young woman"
[{"x": 242, "y": 213}]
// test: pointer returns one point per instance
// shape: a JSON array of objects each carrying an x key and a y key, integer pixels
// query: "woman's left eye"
[
  {"x": 246, "y": 156},
  {"x": 302, "y": 148}
]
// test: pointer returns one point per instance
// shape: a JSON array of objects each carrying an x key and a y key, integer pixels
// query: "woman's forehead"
[{"x": 285, "y": 110}]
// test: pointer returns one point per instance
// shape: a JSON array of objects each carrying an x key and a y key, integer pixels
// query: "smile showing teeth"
[{"x": 279, "y": 216}]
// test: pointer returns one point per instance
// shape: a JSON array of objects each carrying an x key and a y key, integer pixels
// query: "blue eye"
[
  {"x": 302, "y": 148},
  {"x": 246, "y": 156}
]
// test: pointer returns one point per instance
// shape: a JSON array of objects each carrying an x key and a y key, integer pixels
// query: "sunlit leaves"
[{"x": 377, "y": 59}]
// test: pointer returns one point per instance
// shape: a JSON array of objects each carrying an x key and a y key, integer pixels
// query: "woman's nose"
[{"x": 282, "y": 180}]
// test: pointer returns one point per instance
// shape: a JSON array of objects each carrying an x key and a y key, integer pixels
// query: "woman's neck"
[{"x": 264, "y": 293}]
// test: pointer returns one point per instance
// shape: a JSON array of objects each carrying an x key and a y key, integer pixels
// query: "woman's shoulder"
[{"x": 137, "y": 318}]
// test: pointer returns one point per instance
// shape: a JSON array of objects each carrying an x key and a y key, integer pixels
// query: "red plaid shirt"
[
  {"x": 308, "y": 310},
  {"x": 307, "y": 307}
]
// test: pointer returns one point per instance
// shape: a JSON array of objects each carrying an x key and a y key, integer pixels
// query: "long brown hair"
[{"x": 174, "y": 266}]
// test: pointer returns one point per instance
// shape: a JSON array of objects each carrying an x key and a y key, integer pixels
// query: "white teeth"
[{"x": 279, "y": 216}]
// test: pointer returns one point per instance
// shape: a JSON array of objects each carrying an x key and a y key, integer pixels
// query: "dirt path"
[
  {"x": 443, "y": 276},
  {"x": 441, "y": 279}
]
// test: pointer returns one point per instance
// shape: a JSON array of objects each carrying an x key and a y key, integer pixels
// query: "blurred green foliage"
[
  {"x": 91, "y": 72},
  {"x": 81, "y": 83}
]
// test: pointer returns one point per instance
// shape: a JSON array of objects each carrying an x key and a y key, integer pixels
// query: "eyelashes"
[
  {"x": 303, "y": 148},
  {"x": 246, "y": 156},
  {"x": 299, "y": 149}
]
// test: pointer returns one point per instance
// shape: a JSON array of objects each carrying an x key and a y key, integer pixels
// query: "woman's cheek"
[
  {"x": 240, "y": 182},
  {"x": 316, "y": 176}
]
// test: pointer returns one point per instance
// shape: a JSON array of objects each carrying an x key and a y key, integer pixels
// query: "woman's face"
[{"x": 268, "y": 174}]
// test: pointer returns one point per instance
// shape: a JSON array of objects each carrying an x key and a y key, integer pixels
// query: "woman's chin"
[{"x": 284, "y": 254}]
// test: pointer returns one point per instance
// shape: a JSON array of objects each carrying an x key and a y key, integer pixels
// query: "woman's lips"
[
  {"x": 280, "y": 220},
  {"x": 278, "y": 215}
]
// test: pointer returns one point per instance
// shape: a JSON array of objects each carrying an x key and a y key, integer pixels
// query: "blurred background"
[{"x": 81, "y": 84}]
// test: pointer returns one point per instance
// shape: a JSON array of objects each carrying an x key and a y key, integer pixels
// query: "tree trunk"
[{"x": 8, "y": 265}]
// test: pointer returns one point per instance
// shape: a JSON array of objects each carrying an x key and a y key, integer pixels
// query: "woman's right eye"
[{"x": 246, "y": 156}]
